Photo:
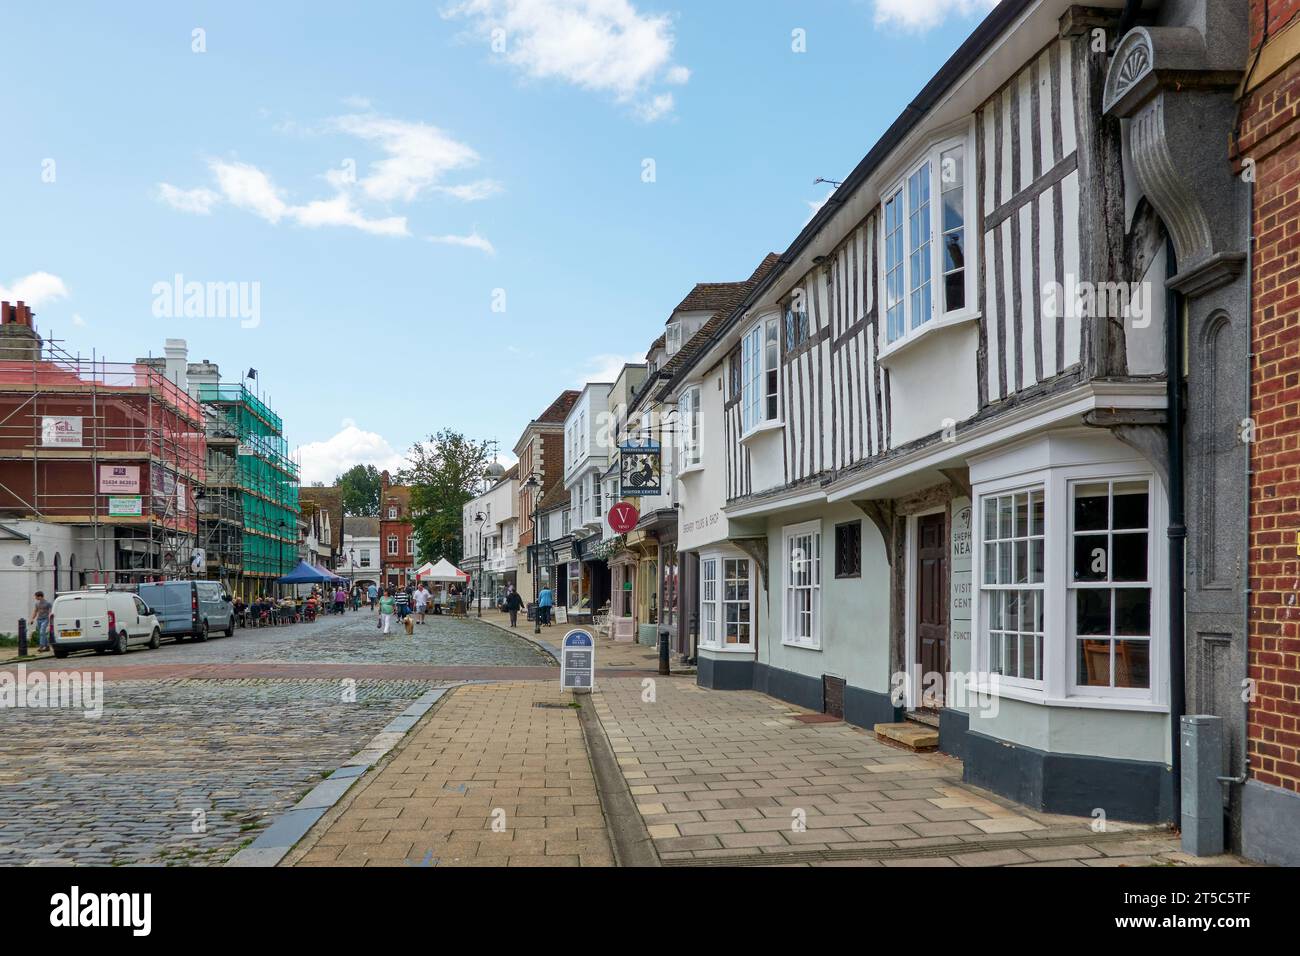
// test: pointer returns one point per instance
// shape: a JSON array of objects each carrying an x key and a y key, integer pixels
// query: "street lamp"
[
  {"x": 534, "y": 485},
  {"x": 480, "y": 518}
]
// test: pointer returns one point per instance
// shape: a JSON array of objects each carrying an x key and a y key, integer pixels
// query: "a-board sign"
[{"x": 577, "y": 661}]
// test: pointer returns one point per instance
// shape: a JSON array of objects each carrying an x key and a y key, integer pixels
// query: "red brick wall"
[{"x": 1268, "y": 136}]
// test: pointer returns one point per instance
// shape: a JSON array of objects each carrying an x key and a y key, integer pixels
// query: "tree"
[
  {"x": 444, "y": 474},
  {"x": 359, "y": 486}
]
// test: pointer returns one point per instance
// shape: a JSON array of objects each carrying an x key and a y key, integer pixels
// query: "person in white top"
[{"x": 421, "y": 599}]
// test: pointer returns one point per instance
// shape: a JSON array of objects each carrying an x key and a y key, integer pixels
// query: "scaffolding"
[
  {"x": 251, "y": 511},
  {"x": 113, "y": 448}
]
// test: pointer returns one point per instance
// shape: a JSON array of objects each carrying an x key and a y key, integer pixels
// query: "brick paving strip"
[
  {"x": 487, "y": 778},
  {"x": 732, "y": 778}
]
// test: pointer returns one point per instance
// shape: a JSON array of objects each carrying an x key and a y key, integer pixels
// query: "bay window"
[
  {"x": 1013, "y": 578},
  {"x": 1110, "y": 600},
  {"x": 923, "y": 229},
  {"x": 801, "y": 553},
  {"x": 1068, "y": 570},
  {"x": 726, "y": 603},
  {"x": 736, "y": 619},
  {"x": 759, "y": 374},
  {"x": 709, "y": 602}
]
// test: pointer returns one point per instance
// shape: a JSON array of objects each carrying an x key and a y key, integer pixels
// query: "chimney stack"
[{"x": 18, "y": 338}]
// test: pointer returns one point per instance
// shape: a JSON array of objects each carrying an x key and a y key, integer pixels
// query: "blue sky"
[{"x": 379, "y": 170}]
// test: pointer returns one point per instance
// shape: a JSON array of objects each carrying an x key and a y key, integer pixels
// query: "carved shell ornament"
[
  {"x": 1136, "y": 63},
  {"x": 1133, "y": 60}
]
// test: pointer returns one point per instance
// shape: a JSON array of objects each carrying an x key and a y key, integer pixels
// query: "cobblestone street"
[{"x": 173, "y": 756}]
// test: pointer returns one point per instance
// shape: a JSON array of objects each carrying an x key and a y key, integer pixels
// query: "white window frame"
[
  {"x": 1073, "y": 587},
  {"x": 724, "y": 601},
  {"x": 760, "y": 356},
  {"x": 688, "y": 427},
  {"x": 915, "y": 326},
  {"x": 410, "y": 544},
  {"x": 812, "y": 641},
  {"x": 673, "y": 338},
  {"x": 392, "y": 545},
  {"x": 709, "y": 585},
  {"x": 988, "y": 590},
  {"x": 392, "y": 512},
  {"x": 1059, "y": 686}
]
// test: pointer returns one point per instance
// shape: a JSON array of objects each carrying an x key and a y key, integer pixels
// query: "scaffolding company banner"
[
  {"x": 639, "y": 469},
  {"x": 119, "y": 479},
  {"x": 126, "y": 506},
  {"x": 61, "y": 431}
]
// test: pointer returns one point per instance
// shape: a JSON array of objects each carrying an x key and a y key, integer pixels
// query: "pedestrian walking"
[
  {"x": 403, "y": 601},
  {"x": 372, "y": 593},
  {"x": 40, "y": 620},
  {"x": 387, "y": 605},
  {"x": 421, "y": 602},
  {"x": 513, "y": 603},
  {"x": 340, "y": 599},
  {"x": 545, "y": 600}
]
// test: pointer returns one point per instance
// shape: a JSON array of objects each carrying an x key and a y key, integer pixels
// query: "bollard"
[
  {"x": 1201, "y": 814},
  {"x": 663, "y": 653},
  {"x": 22, "y": 637}
]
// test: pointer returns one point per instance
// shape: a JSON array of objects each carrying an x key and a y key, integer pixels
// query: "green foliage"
[
  {"x": 444, "y": 474},
  {"x": 359, "y": 486}
]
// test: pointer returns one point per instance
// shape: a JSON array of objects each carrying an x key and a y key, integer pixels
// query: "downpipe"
[{"x": 1177, "y": 531}]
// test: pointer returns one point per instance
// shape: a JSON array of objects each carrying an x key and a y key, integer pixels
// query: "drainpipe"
[
  {"x": 1240, "y": 778},
  {"x": 1177, "y": 523}
]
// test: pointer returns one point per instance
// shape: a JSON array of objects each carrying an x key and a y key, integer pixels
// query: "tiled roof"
[
  {"x": 559, "y": 409},
  {"x": 656, "y": 344},
  {"x": 710, "y": 296},
  {"x": 556, "y": 497},
  {"x": 361, "y": 527},
  {"x": 685, "y": 356}
]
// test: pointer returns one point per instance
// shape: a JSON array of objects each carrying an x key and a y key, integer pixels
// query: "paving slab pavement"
[
  {"x": 487, "y": 778},
  {"x": 732, "y": 777}
]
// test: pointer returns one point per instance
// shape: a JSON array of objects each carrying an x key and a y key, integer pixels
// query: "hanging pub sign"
[{"x": 639, "y": 474}]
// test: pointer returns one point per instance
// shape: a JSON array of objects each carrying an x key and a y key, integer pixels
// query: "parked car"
[
  {"x": 99, "y": 619},
  {"x": 190, "y": 608}
]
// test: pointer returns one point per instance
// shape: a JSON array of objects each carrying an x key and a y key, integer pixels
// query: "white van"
[{"x": 99, "y": 619}]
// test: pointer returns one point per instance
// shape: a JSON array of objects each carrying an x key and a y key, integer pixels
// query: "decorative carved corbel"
[{"x": 756, "y": 548}]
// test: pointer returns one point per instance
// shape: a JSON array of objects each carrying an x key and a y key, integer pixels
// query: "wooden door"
[{"x": 932, "y": 607}]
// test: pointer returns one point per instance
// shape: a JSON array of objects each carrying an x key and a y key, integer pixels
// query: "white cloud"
[
  {"x": 326, "y": 460},
  {"x": 197, "y": 201},
  {"x": 605, "y": 46},
  {"x": 249, "y": 188},
  {"x": 921, "y": 15},
  {"x": 356, "y": 102},
  {"x": 418, "y": 157},
  {"x": 78, "y": 321},
  {"x": 472, "y": 241},
  {"x": 815, "y": 205},
  {"x": 35, "y": 289},
  {"x": 339, "y": 211},
  {"x": 606, "y": 367}
]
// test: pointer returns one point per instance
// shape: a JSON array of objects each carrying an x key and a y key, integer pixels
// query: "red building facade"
[{"x": 1268, "y": 154}]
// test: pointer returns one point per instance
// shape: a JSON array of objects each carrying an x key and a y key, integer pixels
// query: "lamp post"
[{"x": 480, "y": 518}]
